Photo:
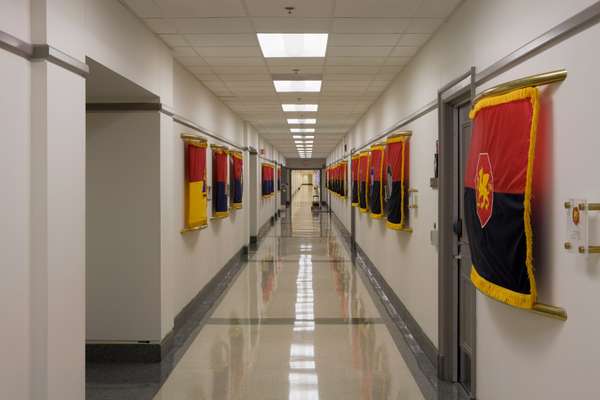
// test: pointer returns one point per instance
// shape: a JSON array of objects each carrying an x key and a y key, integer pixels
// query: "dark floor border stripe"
[
  {"x": 292, "y": 321},
  {"x": 423, "y": 370}
]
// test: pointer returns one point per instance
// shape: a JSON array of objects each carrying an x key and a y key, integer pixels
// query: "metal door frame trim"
[{"x": 447, "y": 281}]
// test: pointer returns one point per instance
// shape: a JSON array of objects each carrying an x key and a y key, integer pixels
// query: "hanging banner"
[
  {"x": 343, "y": 177},
  {"x": 497, "y": 197},
  {"x": 219, "y": 165},
  {"x": 396, "y": 176},
  {"x": 195, "y": 183},
  {"x": 354, "y": 178},
  {"x": 375, "y": 180},
  {"x": 237, "y": 176},
  {"x": 267, "y": 179},
  {"x": 363, "y": 173}
]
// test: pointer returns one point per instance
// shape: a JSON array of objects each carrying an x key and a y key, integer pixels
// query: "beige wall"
[{"x": 518, "y": 353}]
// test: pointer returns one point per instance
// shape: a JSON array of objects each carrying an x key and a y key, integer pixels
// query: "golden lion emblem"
[{"x": 484, "y": 190}]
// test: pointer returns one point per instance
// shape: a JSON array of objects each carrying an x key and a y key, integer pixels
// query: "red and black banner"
[
  {"x": 236, "y": 178},
  {"x": 354, "y": 177},
  {"x": 219, "y": 164},
  {"x": 396, "y": 175},
  {"x": 363, "y": 178},
  {"x": 497, "y": 197},
  {"x": 267, "y": 179},
  {"x": 375, "y": 180}
]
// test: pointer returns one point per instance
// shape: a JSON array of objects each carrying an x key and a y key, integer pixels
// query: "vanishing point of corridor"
[{"x": 297, "y": 323}]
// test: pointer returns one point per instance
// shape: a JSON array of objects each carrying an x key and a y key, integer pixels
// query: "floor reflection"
[{"x": 298, "y": 323}]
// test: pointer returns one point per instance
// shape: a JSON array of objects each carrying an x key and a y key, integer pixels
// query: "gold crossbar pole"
[
  {"x": 550, "y": 311},
  {"x": 529, "y": 81}
]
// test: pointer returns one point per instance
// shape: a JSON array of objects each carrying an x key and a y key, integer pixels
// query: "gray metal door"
[{"x": 466, "y": 290}]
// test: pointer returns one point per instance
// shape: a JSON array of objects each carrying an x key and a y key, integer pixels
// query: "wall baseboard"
[
  {"x": 392, "y": 303},
  {"x": 195, "y": 310}
]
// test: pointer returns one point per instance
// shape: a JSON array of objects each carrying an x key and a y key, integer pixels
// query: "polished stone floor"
[{"x": 297, "y": 322}]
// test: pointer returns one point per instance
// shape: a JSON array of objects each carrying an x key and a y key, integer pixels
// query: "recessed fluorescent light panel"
[
  {"x": 307, "y": 121},
  {"x": 297, "y": 86},
  {"x": 302, "y": 130},
  {"x": 274, "y": 45},
  {"x": 300, "y": 107}
]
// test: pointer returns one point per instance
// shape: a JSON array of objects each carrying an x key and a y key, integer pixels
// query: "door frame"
[{"x": 448, "y": 279}]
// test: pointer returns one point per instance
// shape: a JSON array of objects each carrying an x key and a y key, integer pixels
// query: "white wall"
[
  {"x": 15, "y": 171},
  {"x": 191, "y": 259},
  {"x": 531, "y": 353},
  {"x": 123, "y": 226}
]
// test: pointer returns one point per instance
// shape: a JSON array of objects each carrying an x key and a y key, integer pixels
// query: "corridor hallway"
[{"x": 297, "y": 323}]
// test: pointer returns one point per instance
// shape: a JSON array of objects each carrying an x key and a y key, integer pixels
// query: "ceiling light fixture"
[
  {"x": 278, "y": 45},
  {"x": 297, "y": 86},
  {"x": 302, "y": 130},
  {"x": 300, "y": 107},
  {"x": 307, "y": 121}
]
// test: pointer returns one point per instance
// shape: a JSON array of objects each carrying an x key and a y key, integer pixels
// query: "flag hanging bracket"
[
  {"x": 550, "y": 311},
  {"x": 545, "y": 78}
]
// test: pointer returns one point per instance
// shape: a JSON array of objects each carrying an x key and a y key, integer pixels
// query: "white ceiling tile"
[
  {"x": 376, "y": 8},
  {"x": 303, "y": 8},
  {"x": 245, "y": 77},
  {"x": 208, "y": 77},
  {"x": 404, "y": 51},
  {"x": 183, "y": 52},
  {"x": 229, "y": 51},
  {"x": 330, "y": 77},
  {"x": 351, "y": 69},
  {"x": 389, "y": 69},
  {"x": 436, "y": 8},
  {"x": 413, "y": 39},
  {"x": 241, "y": 61},
  {"x": 359, "y": 51},
  {"x": 213, "y": 25},
  {"x": 348, "y": 84},
  {"x": 201, "y": 8},
  {"x": 423, "y": 25},
  {"x": 363, "y": 39},
  {"x": 398, "y": 61},
  {"x": 174, "y": 40},
  {"x": 370, "y": 25},
  {"x": 215, "y": 40},
  {"x": 354, "y": 60},
  {"x": 292, "y": 25},
  {"x": 385, "y": 77},
  {"x": 191, "y": 61},
  {"x": 144, "y": 8},
  {"x": 161, "y": 25},
  {"x": 200, "y": 70},
  {"x": 230, "y": 70}
]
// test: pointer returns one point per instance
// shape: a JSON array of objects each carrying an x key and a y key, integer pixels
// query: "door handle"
[{"x": 457, "y": 256}]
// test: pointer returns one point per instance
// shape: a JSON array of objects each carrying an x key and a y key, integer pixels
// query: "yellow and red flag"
[
  {"x": 195, "y": 186},
  {"x": 498, "y": 184}
]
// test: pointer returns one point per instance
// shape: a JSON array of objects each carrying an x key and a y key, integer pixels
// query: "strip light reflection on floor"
[{"x": 303, "y": 379}]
